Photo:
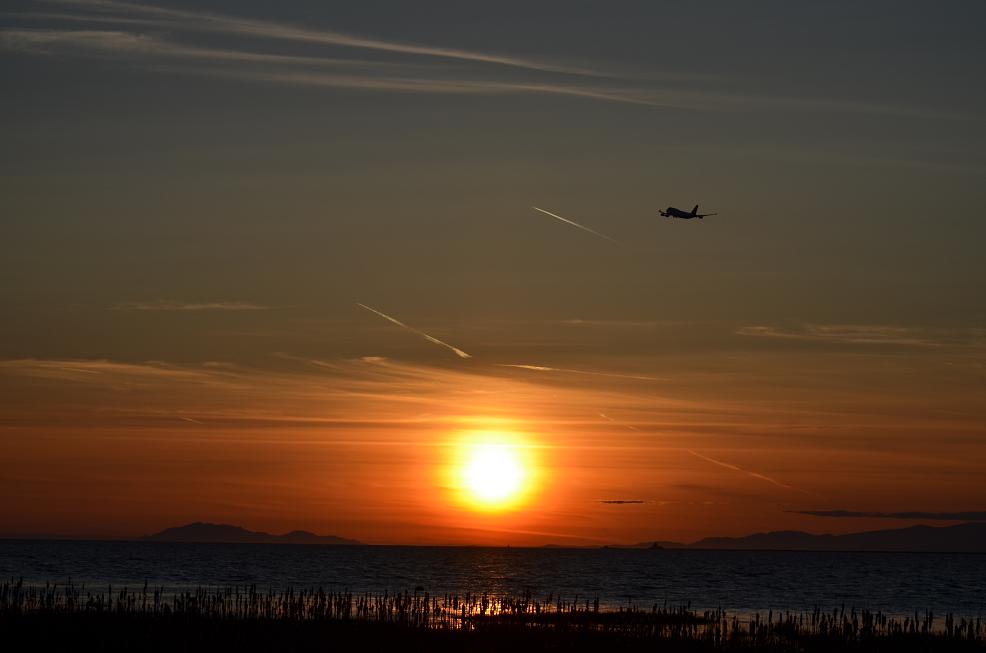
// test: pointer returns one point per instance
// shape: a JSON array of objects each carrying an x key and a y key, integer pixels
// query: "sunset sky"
[{"x": 197, "y": 197}]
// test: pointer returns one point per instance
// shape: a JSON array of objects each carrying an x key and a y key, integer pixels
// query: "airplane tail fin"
[{"x": 695, "y": 210}]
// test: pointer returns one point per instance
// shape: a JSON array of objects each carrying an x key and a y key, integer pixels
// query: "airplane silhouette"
[{"x": 672, "y": 212}]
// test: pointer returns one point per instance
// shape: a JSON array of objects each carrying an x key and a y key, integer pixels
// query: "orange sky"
[
  {"x": 715, "y": 444},
  {"x": 196, "y": 198}
]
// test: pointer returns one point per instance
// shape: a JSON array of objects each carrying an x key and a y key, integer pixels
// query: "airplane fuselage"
[{"x": 672, "y": 212}]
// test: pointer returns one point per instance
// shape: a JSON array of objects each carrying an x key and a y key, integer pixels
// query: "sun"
[{"x": 495, "y": 471}]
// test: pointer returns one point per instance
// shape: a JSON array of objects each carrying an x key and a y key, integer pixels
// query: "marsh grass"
[{"x": 248, "y": 619}]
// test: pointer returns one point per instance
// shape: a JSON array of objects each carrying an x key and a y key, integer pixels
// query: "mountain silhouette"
[
  {"x": 960, "y": 538},
  {"x": 229, "y": 534}
]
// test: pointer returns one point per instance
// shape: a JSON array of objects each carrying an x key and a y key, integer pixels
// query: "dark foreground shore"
[
  {"x": 64, "y": 618},
  {"x": 111, "y": 632}
]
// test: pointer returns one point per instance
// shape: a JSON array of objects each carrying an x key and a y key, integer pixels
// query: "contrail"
[
  {"x": 762, "y": 477},
  {"x": 629, "y": 426},
  {"x": 545, "y": 368},
  {"x": 576, "y": 224},
  {"x": 458, "y": 352},
  {"x": 189, "y": 419}
]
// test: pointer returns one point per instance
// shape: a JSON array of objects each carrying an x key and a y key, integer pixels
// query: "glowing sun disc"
[{"x": 494, "y": 471}]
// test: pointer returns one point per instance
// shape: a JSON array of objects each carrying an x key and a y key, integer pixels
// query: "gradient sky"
[{"x": 194, "y": 197}]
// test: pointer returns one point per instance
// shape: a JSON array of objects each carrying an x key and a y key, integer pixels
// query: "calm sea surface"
[{"x": 738, "y": 581}]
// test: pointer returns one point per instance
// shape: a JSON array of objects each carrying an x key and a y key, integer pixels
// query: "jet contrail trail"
[
  {"x": 545, "y": 368},
  {"x": 617, "y": 422},
  {"x": 458, "y": 352},
  {"x": 762, "y": 477},
  {"x": 576, "y": 224}
]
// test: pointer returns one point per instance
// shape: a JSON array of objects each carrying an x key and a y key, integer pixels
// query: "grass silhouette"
[{"x": 60, "y": 617}]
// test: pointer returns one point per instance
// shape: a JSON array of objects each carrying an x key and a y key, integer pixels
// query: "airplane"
[{"x": 672, "y": 212}]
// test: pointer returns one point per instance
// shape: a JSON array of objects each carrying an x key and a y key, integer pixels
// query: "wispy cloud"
[
  {"x": 737, "y": 468},
  {"x": 109, "y": 42},
  {"x": 621, "y": 502},
  {"x": 566, "y": 370},
  {"x": 972, "y": 515},
  {"x": 577, "y": 225},
  {"x": 172, "y": 305},
  {"x": 308, "y": 391},
  {"x": 233, "y": 25},
  {"x": 159, "y": 32},
  {"x": 618, "y": 324},
  {"x": 417, "y": 84},
  {"x": 119, "y": 374},
  {"x": 420, "y": 68},
  {"x": 869, "y": 334},
  {"x": 157, "y": 52},
  {"x": 458, "y": 352},
  {"x": 351, "y": 393}
]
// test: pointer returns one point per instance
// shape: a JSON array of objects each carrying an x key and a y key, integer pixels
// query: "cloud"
[
  {"x": 973, "y": 515},
  {"x": 232, "y": 25},
  {"x": 485, "y": 72},
  {"x": 620, "y": 324},
  {"x": 349, "y": 394},
  {"x": 621, "y": 502},
  {"x": 545, "y": 368},
  {"x": 121, "y": 375},
  {"x": 53, "y": 41},
  {"x": 344, "y": 393},
  {"x": 171, "y": 305},
  {"x": 441, "y": 85},
  {"x": 426, "y": 75},
  {"x": 870, "y": 334},
  {"x": 308, "y": 71}
]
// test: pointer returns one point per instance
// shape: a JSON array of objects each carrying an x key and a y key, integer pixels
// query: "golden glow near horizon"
[{"x": 493, "y": 471}]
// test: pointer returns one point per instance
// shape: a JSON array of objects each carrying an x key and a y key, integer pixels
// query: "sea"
[{"x": 740, "y": 582}]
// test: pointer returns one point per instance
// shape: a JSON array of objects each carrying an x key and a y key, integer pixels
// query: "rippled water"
[{"x": 738, "y": 581}]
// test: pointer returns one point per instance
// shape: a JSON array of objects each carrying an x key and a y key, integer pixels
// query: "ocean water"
[{"x": 741, "y": 582}]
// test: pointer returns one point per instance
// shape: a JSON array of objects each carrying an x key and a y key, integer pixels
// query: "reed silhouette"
[{"x": 247, "y": 619}]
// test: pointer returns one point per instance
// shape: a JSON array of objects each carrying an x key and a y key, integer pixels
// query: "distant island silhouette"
[
  {"x": 228, "y": 534},
  {"x": 960, "y": 538}
]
